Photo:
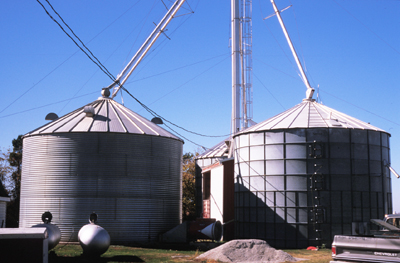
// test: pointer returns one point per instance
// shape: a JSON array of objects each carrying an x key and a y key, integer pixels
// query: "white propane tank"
[
  {"x": 54, "y": 233},
  {"x": 94, "y": 239}
]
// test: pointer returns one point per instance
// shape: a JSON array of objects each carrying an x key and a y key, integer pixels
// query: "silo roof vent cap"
[
  {"x": 89, "y": 110},
  {"x": 157, "y": 120},
  {"x": 51, "y": 116}
]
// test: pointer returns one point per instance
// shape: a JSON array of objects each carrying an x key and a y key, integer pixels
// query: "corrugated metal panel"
[
  {"x": 115, "y": 121},
  {"x": 3, "y": 208},
  {"x": 132, "y": 181},
  {"x": 310, "y": 114},
  {"x": 312, "y": 184},
  {"x": 101, "y": 119},
  {"x": 218, "y": 151},
  {"x": 110, "y": 116}
]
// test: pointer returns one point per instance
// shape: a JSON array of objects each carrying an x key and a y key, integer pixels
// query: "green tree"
[
  {"x": 188, "y": 187},
  {"x": 5, "y": 171},
  {"x": 15, "y": 160}
]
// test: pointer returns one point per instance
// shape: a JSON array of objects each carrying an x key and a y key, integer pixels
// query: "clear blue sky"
[{"x": 350, "y": 49}]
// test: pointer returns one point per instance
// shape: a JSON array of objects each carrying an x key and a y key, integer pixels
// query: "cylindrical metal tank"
[
  {"x": 103, "y": 158},
  {"x": 308, "y": 174}
]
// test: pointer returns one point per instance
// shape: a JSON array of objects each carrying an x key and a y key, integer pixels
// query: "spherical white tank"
[
  {"x": 54, "y": 233},
  {"x": 94, "y": 239}
]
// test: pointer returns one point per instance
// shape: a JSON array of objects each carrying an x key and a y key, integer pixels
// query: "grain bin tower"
[
  {"x": 309, "y": 173},
  {"x": 300, "y": 177},
  {"x": 103, "y": 158}
]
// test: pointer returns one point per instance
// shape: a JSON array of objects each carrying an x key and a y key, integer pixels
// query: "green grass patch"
[
  {"x": 320, "y": 256},
  {"x": 72, "y": 253}
]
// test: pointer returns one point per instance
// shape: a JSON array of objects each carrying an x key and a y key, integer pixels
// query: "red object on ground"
[{"x": 312, "y": 248}]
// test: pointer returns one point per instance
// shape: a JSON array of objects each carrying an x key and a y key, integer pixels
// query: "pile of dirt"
[{"x": 247, "y": 250}]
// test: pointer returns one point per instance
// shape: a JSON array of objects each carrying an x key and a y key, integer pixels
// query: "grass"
[
  {"x": 72, "y": 253},
  {"x": 320, "y": 256}
]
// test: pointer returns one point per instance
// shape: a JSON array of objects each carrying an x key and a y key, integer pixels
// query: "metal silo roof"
[
  {"x": 310, "y": 114},
  {"x": 218, "y": 151},
  {"x": 103, "y": 115}
]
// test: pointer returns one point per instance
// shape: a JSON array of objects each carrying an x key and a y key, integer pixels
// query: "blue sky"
[{"x": 350, "y": 49}]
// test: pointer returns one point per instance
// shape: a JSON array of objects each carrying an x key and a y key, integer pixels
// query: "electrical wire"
[
  {"x": 300, "y": 44},
  {"x": 201, "y": 73},
  {"x": 65, "y": 60},
  {"x": 276, "y": 40},
  {"x": 112, "y": 53},
  {"x": 269, "y": 91},
  {"x": 83, "y": 44},
  {"x": 39, "y": 107},
  {"x": 159, "y": 116},
  {"x": 101, "y": 68},
  {"x": 104, "y": 69},
  {"x": 264, "y": 177},
  {"x": 370, "y": 30},
  {"x": 161, "y": 43},
  {"x": 34, "y": 85},
  {"x": 127, "y": 58},
  {"x": 361, "y": 108},
  {"x": 178, "y": 68}
]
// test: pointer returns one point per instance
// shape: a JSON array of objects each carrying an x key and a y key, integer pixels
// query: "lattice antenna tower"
[{"x": 247, "y": 63}]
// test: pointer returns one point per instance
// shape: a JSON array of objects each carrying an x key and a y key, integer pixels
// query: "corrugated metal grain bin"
[
  {"x": 308, "y": 174},
  {"x": 103, "y": 158}
]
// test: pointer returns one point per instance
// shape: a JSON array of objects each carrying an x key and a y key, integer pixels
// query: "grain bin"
[
  {"x": 308, "y": 174},
  {"x": 103, "y": 158}
]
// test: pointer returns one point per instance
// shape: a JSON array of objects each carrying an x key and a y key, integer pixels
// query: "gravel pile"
[{"x": 247, "y": 250}]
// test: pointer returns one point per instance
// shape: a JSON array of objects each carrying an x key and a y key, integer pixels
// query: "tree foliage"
[
  {"x": 5, "y": 172},
  {"x": 188, "y": 187},
  {"x": 14, "y": 188},
  {"x": 15, "y": 160}
]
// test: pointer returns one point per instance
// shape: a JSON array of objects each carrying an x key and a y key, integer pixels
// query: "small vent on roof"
[
  {"x": 89, "y": 110},
  {"x": 157, "y": 120},
  {"x": 51, "y": 117},
  {"x": 335, "y": 122}
]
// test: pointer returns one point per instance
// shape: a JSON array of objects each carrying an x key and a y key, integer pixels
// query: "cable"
[
  {"x": 101, "y": 68},
  {"x": 156, "y": 115},
  {"x": 370, "y": 30},
  {"x": 104, "y": 69},
  {"x": 127, "y": 58},
  {"x": 361, "y": 108},
  {"x": 34, "y": 85},
  {"x": 160, "y": 43},
  {"x": 276, "y": 40},
  {"x": 171, "y": 70},
  {"x": 78, "y": 38},
  {"x": 66, "y": 60},
  {"x": 47, "y": 105},
  {"x": 269, "y": 91},
  {"x": 180, "y": 135},
  {"x": 190, "y": 80},
  {"x": 76, "y": 93}
]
